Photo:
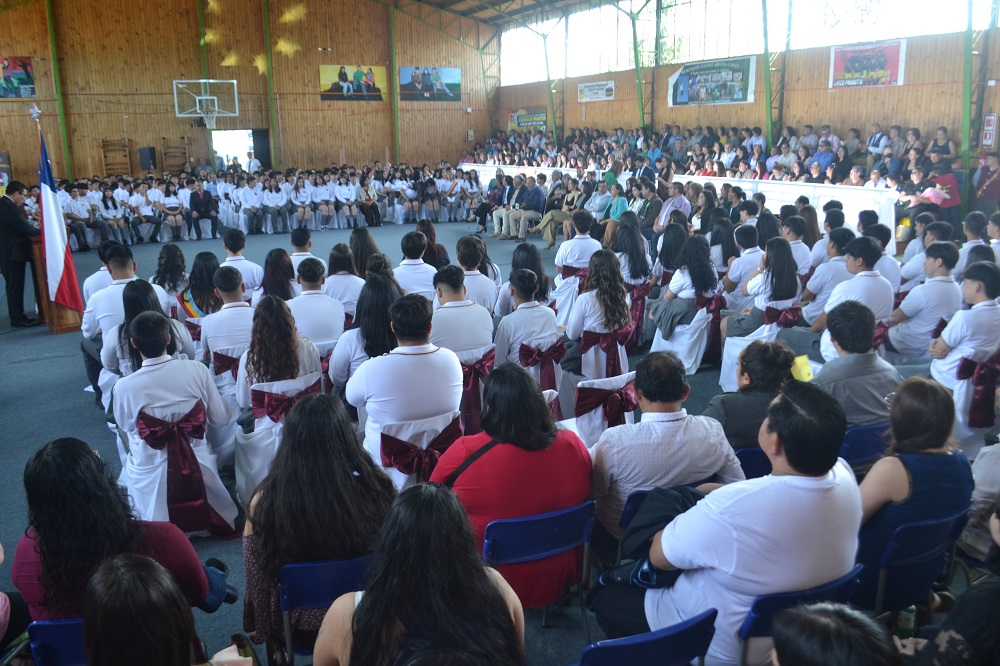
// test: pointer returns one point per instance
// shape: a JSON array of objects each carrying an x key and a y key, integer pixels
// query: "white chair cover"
[
  {"x": 589, "y": 426},
  {"x": 536, "y": 370},
  {"x": 689, "y": 341},
  {"x": 732, "y": 349},
  {"x": 565, "y": 294},
  {"x": 419, "y": 433},
  {"x": 254, "y": 452},
  {"x": 223, "y": 439},
  {"x": 145, "y": 473},
  {"x": 594, "y": 362},
  {"x": 970, "y": 440}
]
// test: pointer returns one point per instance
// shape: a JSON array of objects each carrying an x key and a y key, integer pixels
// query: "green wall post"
[
  {"x": 394, "y": 64},
  {"x": 201, "y": 38},
  {"x": 967, "y": 89},
  {"x": 768, "y": 114},
  {"x": 59, "y": 97},
  {"x": 548, "y": 84},
  {"x": 638, "y": 69}
]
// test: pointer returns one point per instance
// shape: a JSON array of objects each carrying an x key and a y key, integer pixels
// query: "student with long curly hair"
[
  {"x": 324, "y": 498},
  {"x": 170, "y": 273},
  {"x": 279, "y": 278},
  {"x": 774, "y": 284},
  {"x": 429, "y": 598},
  {"x": 370, "y": 335},
  {"x": 602, "y": 308},
  {"x": 695, "y": 276},
  {"x": 276, "y": 351},
  {"x": 199, "y": 299},
  {"x": 78, "y": 517}
]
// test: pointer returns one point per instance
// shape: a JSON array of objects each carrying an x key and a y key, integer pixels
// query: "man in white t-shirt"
[
  {"x": 791, "y": 230},
  {"x": 912, "y": 272},
  {"x": 413, "y": 274},
  {"x": 914, "y": 322},
  {"x": 576, "y": 252},
  {"x": 971, "y": 333},
  {"x": 794, "y": 529},
  {"x": 318, "y": 317},
  {"x": 886, "y": 266},
  {"x": 834, "y": 219},
  {"x": 827, "y": 275},
  {"x": 742, "y": 267},
  {"x": 461, "y": 325}
]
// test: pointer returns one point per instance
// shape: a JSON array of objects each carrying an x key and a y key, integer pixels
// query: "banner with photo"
[
  {"x": 729, "y": 81},
  {"x": 868, "y": 65},
  {"x": 5, "y": 173},
  {"x": 356, "y": 83},
  {"x": 528, "y": 118},
  {"x": 430, "y": 84},
  {"x": 18, "y": 80},
  {"x": 596, "y": 91}
]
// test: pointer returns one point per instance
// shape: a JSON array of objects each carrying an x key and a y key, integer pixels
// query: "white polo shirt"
[
  {"x": 739, "y": 273},
  {"x": 889, "y": 268},
  {"x": 230, "y": 327},
  {"x": 802, "y": 256},
  {"x": 95, "y": 282},
  {"x": 822, "y": 283},
  {"x": 531, "y": 323},
  {"x": 577, "y": 251},
  {"x": 253, "y": 274},
  {"x": 480, "y": 289},
  {"x": 346, "y": 288},
  {"x": 299, "y": 257},
  {"x": 936, "y": 299},
  {"x": 866, "y": 287},
  {"x": 760, "y": 290},
  {"x": 465, "y": 328},
  {"x": 318, "y": 318},
  {"x": 912, "y": 272},
  {"x": 416, "y": 277},
  {"x": 106, "y": 309},
  {"x": 971, "y": 334}
]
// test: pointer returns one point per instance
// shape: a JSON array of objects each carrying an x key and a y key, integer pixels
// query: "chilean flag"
[{"x": 61, "y": 273}]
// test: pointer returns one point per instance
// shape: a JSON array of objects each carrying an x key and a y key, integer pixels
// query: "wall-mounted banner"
[
  {"x": 866, "y": 65},
  {"x": 528, "y": 118},
  {"x": 596, "y": 91},
  {"x": 430, "y": 84},
  {"x": 729, "y": 81},
  {"x": 18, "y": 77},
  {"x": 357, "y": 83}
]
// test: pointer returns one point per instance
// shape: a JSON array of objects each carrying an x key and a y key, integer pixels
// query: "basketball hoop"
[{"x": 209, "y": 115}]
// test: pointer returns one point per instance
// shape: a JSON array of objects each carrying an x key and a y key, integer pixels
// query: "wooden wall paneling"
[
  {"x": 432, "y": 131},
  {"x": 25, "y": 33},
  {"x": 931, "y": 95},
  {"x": 512, "y": 98},
  {"x": 116, "y": 157},
  {"x": 622, "y": 111},
  {"x": 313, "y": 132}
]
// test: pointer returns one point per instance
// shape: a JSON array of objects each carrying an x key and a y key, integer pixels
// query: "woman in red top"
[
  {"x": 79, "y": 517},
  {"x": 534, "y": 468}
]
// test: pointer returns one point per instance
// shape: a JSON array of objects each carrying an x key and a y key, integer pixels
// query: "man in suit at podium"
[{"x": 15, "y": 251}]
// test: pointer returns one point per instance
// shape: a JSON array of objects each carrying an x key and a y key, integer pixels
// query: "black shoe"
[{"x": 27, "y": 322}]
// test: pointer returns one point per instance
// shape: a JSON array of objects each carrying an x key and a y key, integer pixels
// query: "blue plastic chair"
[
  {"x": 517, "y": 540},
  {"x": 754, "y": 462},
  {"x": 315, "y": 585},
  {"x": 677, "y": 645},
  {"x": 57, "y": 642},
  {"x": 913, "y": 559},
  {"x": 759, "y": 619},
  {"x": 864, "y": 445}
]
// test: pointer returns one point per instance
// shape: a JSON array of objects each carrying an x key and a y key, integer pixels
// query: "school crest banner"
[
  {"x": 868, "y": 65},
  {"x": 729, "y": 81}
]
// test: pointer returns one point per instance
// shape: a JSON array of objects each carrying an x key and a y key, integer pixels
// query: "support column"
[
  {"x": 53, "y": 53},
  {"x": 273, "y": 134},
  {"x": 967, "y": 88},
  {"x": 201, "y": 38},
  {"x": 394, "y": 65},
  {"x": 638, "y": 70},
  {"x": 768, "y": 115},
  {"x": 548, "y": 85}
]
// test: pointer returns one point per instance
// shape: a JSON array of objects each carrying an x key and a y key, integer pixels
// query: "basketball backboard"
[{"x": 206, "y": 99}]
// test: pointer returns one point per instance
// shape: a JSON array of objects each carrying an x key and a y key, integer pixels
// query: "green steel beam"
[
  {"x": 769, "y": 116},
  {"x": 4, "y": 6},
  {"x": 59, "y": 97},
  {"x": 201, "y": 38},
  {"x": 967, "y": 88},
  {"x": 394, "y": 64},
  {"x": 548, "y": 85},
  {"x": 273, "y": 134},
  {"x": 634, "y": 18}
]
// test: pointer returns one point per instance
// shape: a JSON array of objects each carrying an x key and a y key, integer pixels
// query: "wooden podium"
[{"x": 59, "y": 318}]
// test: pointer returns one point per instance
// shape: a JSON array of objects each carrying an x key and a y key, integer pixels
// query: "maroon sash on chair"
[
  {"x": 617, "y": 403},
  {"x": 194, "y": 330},
  {"x": 274, "y": 405},
  {"x": 472, "y": 401},
  {"x": 411, "y": 459},
  {"x": 715, "y": 305},
  {"x": 609, "y": 345},
  {"x": 984, "y": 377},
  {"x": 173, "y": 312},
  {"x": 222, "y": 363},
  {"x": 187, "y": 503},
  {"x": 569, "y": 271},
  {"x": 324, "y": 362},
  {"x": 880, "y": 336},
  {"x": 638, "y": 311},
  {"x": 784, "y": 318},
  {"x": 665, "y": 278},
  {"x": 804, "y": 279},
  {"x": 546, "y": 359}
]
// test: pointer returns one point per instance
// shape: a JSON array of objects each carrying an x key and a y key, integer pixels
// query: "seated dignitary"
[
  {"x": 105, "y": 310},
  {"x": 318, "y": 317},
  {"x": 858, "y": 378},
  {"x": 461, "y": 325},
  {"x": 791, "y": 530},
  {"x": 163, "y": 407},
  {"x": 416, "y": 380},
  {"x": 914, "y": 323},
  {"x": 667, "y": 448}
]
